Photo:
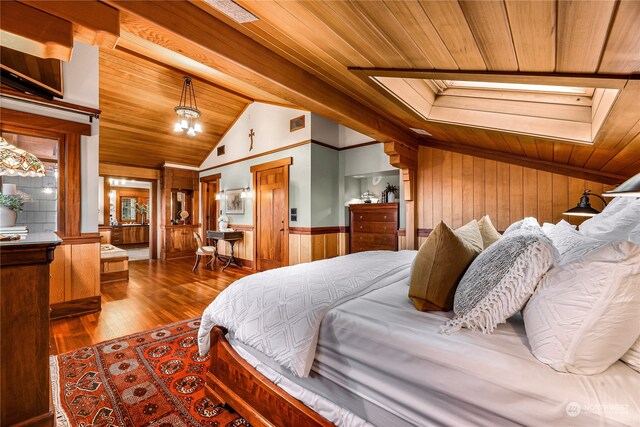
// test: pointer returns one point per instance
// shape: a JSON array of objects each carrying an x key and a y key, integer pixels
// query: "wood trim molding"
[
  {"x": 287, "y": 147},
  {"x": 242, "y": 227},
  {"x": 211, "y": 178},
  {"x": 318, "y": 230},
  {"x": 547, "y": 166},
  {"x": 8, "y": 92},
  {"x": 34, "y": 121},
  {"x": 287, "y": 161},
  {"x": 84, "y": 238},
  {"x": 124, "y": 171},
  {"x": 255, "y": 156}
]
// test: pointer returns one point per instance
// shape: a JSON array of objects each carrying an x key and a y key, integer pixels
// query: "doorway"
[
  {"x": 210, "y": 208},
  {"x": 271, "y": 184}
]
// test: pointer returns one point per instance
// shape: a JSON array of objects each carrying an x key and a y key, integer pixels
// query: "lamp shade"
[
  {"x": 584, "y": 207},
  {"x": 14, "y": 161},
  {"x": 629, "y": 188}
]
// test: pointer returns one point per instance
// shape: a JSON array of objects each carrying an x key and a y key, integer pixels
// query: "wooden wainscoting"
[
  {"x": 75, "y": 277},
  {"x": 312, "y": 244},
  {"x": 456, "y": 188},
  {"x": 243, "y": 249}
]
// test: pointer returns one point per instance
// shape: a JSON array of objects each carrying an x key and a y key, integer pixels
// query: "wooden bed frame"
[{"x": 231, "y": 380}]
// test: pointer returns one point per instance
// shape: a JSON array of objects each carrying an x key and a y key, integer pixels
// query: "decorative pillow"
[
  {"x": 547, "y": 227},
  {"x": 570, "y": 243},
  {"x": 632, "y": 357},
  {"x": 440, "y": 264},
  {"x": 529, "y": 224},
  {"x": 489, "y": 233},
  {"x": 501, "y": 280},
  {"x": 616, "y": 222},
  {"x": 586, "y": 314}
]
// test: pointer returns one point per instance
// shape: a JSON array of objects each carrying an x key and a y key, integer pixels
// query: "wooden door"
[
  {"x": 271, "y": 218},
  {"x": 210, "y": 205}
]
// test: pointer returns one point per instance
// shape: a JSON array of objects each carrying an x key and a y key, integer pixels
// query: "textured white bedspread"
[{"x": 278, "y": 312}]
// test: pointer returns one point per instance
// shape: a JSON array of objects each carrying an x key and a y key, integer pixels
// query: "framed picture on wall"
[{"x": 234, "y": 202}]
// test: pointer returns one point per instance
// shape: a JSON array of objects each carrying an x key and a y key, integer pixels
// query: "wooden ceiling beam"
[
  {"x": 184, "y": 28},
  {"x": 37, "y": 33},
  {"x": 609, "y": 81},
  {"x": 94, "y": 23}
]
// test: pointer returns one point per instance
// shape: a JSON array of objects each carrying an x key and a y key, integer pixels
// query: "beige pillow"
[
  {"x": 441, "y": 263},
  {"x": 489, "y": 233}
]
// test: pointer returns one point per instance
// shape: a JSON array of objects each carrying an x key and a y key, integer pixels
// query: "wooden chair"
[{"x": 203, "y": 251}]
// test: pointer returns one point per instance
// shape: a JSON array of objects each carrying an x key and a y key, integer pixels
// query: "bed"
[{"x": 378, "y": 361}]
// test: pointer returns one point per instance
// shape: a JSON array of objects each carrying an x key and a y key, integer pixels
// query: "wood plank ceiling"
[
  {"x": 556, "y": 37},
  {"x": 137, "y": 97}
]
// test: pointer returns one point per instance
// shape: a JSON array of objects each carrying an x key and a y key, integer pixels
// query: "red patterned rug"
[{"x": 153, "y": 378}]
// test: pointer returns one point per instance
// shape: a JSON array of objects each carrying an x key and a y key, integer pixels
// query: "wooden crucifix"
[{"x": 251, "y": 135}]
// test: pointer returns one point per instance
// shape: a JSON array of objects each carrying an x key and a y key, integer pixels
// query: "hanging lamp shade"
[
  {"x": 629, "y": 188},
  {"x": 14, "y": 161}
]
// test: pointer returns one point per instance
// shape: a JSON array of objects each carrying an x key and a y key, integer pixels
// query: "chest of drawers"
[{"x": 373, "y": 227}]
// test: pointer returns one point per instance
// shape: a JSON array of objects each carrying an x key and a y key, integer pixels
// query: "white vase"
[
  {"x": 223, "y": 225},
  {"x": 7, "y": 217},
  {"x": 391, "y": 197}
]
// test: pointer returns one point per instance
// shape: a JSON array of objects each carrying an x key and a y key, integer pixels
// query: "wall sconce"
[
  {"x": 584, "y": 207},
  {"x": 246, "y": 193},
  {"x": 629, "y": 188},
  {"x": 218, "y": 196}
]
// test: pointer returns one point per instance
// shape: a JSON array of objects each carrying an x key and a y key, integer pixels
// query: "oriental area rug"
[{"x": 154, "y": 378}]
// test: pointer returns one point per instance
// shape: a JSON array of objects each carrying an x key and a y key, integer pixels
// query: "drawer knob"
[
  {"x": 360, "y": 216},
  {"x": 385, "y": 217},
  {"x": 360, "y": 226}
]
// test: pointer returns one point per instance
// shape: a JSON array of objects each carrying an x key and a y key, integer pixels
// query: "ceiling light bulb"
[
  {"x": 197, "y": 127},
  {"x": 191, "y": 132},
  {"x": 184, "y": 124},
  {"x": 177, "y": 127}
]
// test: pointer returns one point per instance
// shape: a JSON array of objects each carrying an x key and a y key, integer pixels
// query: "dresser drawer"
[
  {"x": 386, "y": 215},
  {"x": 374, "y": 238},
  {"x": 363, "y": 247},
  {"x": 374, "y": 227}
]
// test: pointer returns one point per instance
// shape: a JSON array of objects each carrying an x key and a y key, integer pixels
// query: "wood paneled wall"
[
  {"x": 314, "y": 247},
  {"x": 457, "y": 188}
]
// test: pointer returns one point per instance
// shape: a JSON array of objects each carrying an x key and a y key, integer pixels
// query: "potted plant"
[
  {"x": 392, "y": 192},
  {"x": 143, "y": 210},
  {"x": 9, "y": 207}
]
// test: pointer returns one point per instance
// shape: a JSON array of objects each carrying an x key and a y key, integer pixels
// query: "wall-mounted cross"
[{"x": 251, "y": 135}]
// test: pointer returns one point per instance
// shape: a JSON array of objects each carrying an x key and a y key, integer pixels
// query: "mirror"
[
  {"x": 128, "y": 208},
  {"x": 180, "y": 206}
]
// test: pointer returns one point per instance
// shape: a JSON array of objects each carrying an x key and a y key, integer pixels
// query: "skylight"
[{"x": 516, "y": 87}]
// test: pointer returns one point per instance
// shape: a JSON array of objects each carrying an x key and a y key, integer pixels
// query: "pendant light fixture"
[
  {"x": 187, "y": 111},
  {"x": 15, "y": 161}
]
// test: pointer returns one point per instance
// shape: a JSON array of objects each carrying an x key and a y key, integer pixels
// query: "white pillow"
[
  {"x": 529, "y": 224},
  {"x": 500, "y": 281},
  {"x": 570, "y": 244},
  {"x": 615, "y": 222},
  {"x": 546, "y": 227},
  {"x": 586, "y": 314},
  {"x": 632, "y": 357}
]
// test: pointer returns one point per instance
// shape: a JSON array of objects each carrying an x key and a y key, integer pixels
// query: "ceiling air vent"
[
  {"x": 232, "y": 10},
  {"x": 421, "y": 131}
]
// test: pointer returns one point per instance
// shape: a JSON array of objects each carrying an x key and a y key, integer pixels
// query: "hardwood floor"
[{"x": 157, "y": 293}]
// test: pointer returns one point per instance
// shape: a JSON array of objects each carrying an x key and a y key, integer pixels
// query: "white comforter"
[{"x": 278, "y": 312}]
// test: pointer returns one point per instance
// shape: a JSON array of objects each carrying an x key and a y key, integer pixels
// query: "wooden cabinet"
[
  {"x": 179, "y": 187},
  {"x": 373, "y": 226},
  {"x": 179, "y": 241},
  {"x": 128, "y": 234},
  {"x": 24, "y": 331}
]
